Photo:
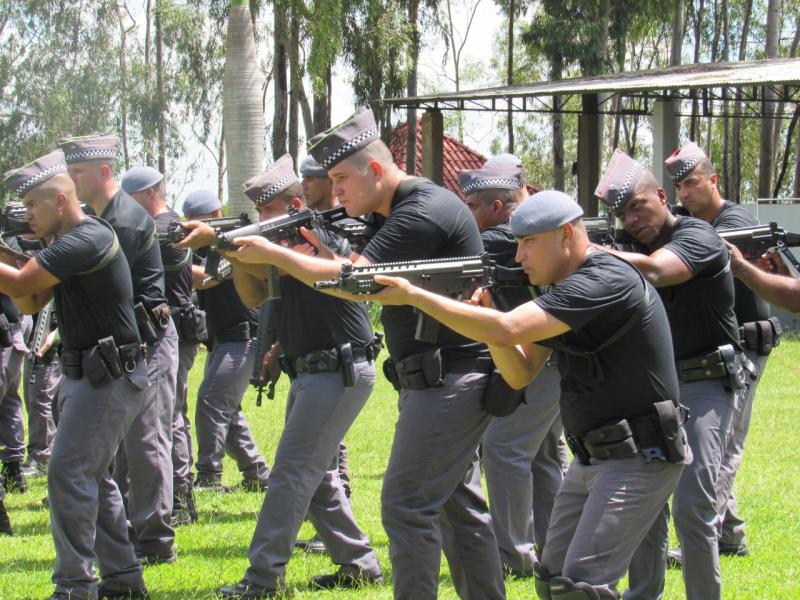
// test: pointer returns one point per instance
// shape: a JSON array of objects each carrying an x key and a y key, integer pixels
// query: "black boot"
[
  {"x": 14, "y": 478},
  {"x": 5, "y": 522},
  {"x": 191, "y": 506}
]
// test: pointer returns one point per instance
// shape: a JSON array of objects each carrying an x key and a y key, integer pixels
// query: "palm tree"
[{"x": 242, "y": 110}]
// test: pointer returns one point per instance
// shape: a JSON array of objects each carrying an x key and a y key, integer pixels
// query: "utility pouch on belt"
[
  {"x": 346, "y": 364},
  {"x": 390, "y": 372},
  {"x": 146, "y": 328},
  {"x": 160, "y": 316},
  {"x": 761, "y": 336},
  {"x": 6, "y": 337},
  {"x": 420, "y": 371},
  {"x": 669, "y": 419},
  {"x": 500, "y": 399},
  {"x": 110, "y": 355},
  {"x": 192, "y": 325},
  {"x": 94, "y": 367},
  {"x": 286, "y": 366},
  {"x": 733, "y": 379},
  {"x": 612, "y": 440}
]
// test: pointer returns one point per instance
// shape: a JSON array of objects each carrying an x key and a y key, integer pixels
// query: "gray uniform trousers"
[
  {"x": 182, "y": 458},
  {"x": 694, "y": 505},
  {"x": 732, "y": 525},
  {"x": 319, "y": 412},
  {"x": 603, "y": 511},
  {"x": 145, "y": 458},
  {"x": 39, "y": 400},
  {"x": 87, "y": 516},
  {"x": 431, "y": 498},
  {"x": 12, "y": 427},
  {"x": 513, "y": 448},
  {"x": 220, "y": 424}
]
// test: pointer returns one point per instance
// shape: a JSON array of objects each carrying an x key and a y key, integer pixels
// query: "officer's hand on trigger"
[
  {"x": 481, "y": 297},
  {"x": 269, "y": 364},
  {"x": 200, "y": 235},
  {"x": 314, "y": 247}
]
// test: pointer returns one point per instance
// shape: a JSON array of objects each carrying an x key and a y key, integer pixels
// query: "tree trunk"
[
  {"x": 243, "y": 116},
  {"x": 148, "y": 76},
  {"x": 221, "y": 166},
  {"x": 714, "y": 55},
  {"x": 411, "y": 89},
  {"x": 123, "y": 96},
  {"x": 724, "y": 176},
  {"x": 510, "y": 74},
  {"x": 280, "y": 116},
  {"x": 694, "y": 129},
  {"x": 556, "y": 68},
  {"x": 295, "y": 79},
  {"x": 677, "y": 35},
  {"x": 735, "y": 185},
  {"x": 766, "y": 155},
  {"x": 790, "y": 132},
  {"x": 322, "y": 106},
  {"x": 162, "y": 150}
]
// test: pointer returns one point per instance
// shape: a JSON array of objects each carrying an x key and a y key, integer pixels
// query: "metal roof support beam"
[
  {"x": 589, "y": 136},
  {"x": 433, "y": 145},
  {"x": 666, "y": 128}
]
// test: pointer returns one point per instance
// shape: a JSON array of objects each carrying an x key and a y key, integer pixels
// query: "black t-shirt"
[
  {"x": 700, "y": 310},
  {"x": 749, "y": 306},
  {"x": 426, "y": 221},
  {"x": 626, "y": 377},
  {"x": 137, "y": 237},
  {"x": 222, "y": 304},
  {"x": 177, "y": 265},
  {"x": 309, "y": 320},
  {"x": 500, "y": 244},
  {"x": 9, "y": 309},
  {"x": 90, "y": 304}
]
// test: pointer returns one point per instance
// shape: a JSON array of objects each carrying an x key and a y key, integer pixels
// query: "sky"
[{"x": 478, "y": 48}]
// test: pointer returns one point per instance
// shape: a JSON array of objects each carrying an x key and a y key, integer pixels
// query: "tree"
[
  {"x": 766, "y": 155},
  {"x": 242, "y": 107}
]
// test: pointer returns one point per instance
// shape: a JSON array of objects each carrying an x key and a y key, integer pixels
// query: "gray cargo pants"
[
  {"x": 514, "y": 448},
  {"x": 39, "y": 401},
  {"x": 319, "y": 412},
  {"x": 182, "y": 458},
  {"x": 694, "y": 505},
  {"x": 145, "y": 458},
  {"x": 87, "y": 517},
  {"x": 219, "y": 423},
  {"x": 431, "y": 498},
  {"x": 12, "y": 426},
  {"x": 602, "y": 513},
  {"x": 731, "y": 527}
]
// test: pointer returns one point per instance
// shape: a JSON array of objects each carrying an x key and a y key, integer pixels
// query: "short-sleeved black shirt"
[
  {"x": 501, "y": 246},
  {"x": 700, "y": 310},
  {"x": 625, "y": 378},
  {"x": 177, "y": 265},
  {"x": 137, "y": 237},
  {"x": 90, "y": 305},
  {"x": 9, "y": 309},
  {"x": 310, "y": 320},
  {"x": 223, "y": 307},
  {"x": 426, "y": 221},
  {"x": 749, "y": 306}
]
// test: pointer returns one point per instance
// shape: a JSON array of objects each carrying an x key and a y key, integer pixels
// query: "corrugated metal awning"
[{"x": 710, "y": 83}]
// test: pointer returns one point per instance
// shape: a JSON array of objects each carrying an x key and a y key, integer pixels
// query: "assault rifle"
[
  {"x": 43, "y": 324},
  {"x": 758, "y": 239},
  {"x": 456, "y": 278},
  {"x": 175, "y": 233},
  {"x": 12, "y": 220},
  {"x": 286, "y": 230},
  {"x": 265, "y": 337},
  {"x": 218, "y": 268},
  {"x": 602, "y": 231}
]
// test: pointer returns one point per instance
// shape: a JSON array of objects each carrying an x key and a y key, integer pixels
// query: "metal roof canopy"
[
  {"x": 782, "y": 76},
  {"x": 661, "y": 92}
]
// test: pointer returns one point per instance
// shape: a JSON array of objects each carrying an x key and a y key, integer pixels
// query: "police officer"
[
  {"x": 520, "y": 457},
  {"x": 618, "y": 389},
  {"x": 326, "y": 347},
  {"x": 220, "y": 424},
  {"x": 15, "y": 329},
  {"x": 145, "y": 460},
  {"x": 688, "y": 263},
  {"x": 105, "y": 376},
  {"x": 695, "y": 181},
  {"x": 431, "y": 497},
  {"x": 146, "y": 186}
]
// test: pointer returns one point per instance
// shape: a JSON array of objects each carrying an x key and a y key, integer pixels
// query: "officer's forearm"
[
  {"x": 251, "y": 289},
  {"x": 780, "y": 290},
  {"x": 519, "y": 365},
  {"x": 308, "y": 269}
]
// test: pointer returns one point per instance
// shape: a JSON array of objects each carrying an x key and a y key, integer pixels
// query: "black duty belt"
[
  {"x": 427, "y": 369},
  {"x": 323, "y": 361},
  {"x": 104, "y": 361}
]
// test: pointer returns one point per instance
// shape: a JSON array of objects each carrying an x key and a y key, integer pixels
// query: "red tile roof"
[{"x": 457, "y": 156}]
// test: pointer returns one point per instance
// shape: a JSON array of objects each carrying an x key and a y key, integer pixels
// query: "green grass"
[{"x": 214, "y": 551}]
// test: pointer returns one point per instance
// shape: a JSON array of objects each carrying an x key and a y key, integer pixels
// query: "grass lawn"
[{"x": 214, "y": 551}]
